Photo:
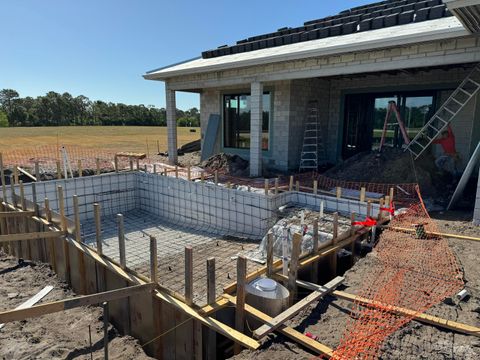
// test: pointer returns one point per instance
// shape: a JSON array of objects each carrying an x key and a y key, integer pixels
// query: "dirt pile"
[
  {"x": 392, "y": 166},
  {"x": 227, "y": 164}
]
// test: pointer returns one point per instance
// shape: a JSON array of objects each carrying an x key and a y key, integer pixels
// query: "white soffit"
[{"x": 440, "y": 29}]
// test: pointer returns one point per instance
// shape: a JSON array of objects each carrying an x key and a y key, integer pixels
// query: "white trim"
[{"x": 440, "y": 29}]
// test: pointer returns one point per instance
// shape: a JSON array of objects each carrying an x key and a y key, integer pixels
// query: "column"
[
  {"x": 256, "y": 115},
  {"x": 171, "y": 125}
]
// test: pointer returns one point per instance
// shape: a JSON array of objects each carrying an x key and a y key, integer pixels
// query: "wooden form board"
[
  {"x": 420, "y": 317},
  {"x": 68, "y": 304},
  {"x": 297, "y": 307},
  {"x": 289, "y": 332},
  {"x": 31, "y": 236}
]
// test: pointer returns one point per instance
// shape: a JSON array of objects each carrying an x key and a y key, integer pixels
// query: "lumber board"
[
  {"x": 287, "y": 331},
  {"x": 10, "y": 214},
  {"x": 26, "y": 173},
  {"x": 28, "y": 304},
  {"x": 68, "y": 304},
  {"x": 420, "y": 317},
  {"x": 296, "y": 308},
  {"x": 214, "y": 324},
  {"x": 434, "y": 233},
  {"x": 31, "y": 236}
]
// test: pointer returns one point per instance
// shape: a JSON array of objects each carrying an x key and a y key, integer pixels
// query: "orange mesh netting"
[{"x": 410, "y": 270}]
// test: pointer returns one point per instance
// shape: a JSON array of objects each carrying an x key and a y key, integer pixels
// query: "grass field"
[{"x": 115, "y": 138}]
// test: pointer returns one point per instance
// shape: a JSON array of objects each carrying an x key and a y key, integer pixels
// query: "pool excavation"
[{"x": 188, "y": 265}]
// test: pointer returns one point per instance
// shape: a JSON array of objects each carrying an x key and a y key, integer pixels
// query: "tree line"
[{"x": 54, "y": 109}]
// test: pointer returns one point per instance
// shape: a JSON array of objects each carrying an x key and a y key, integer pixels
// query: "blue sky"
[{"x": 100, "y": 48}]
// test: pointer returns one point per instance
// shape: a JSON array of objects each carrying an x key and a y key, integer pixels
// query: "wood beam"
[
  {"x": 31, "y": 236},
  {"x": 67, "y": 304},
  {"x": 9, "y": 214}
]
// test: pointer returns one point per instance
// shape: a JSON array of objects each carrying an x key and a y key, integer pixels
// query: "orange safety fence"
[{"x": 408, "y": 270}]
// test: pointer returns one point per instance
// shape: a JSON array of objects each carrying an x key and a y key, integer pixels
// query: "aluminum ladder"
[
  {"x": 313, "y": 150},
  {"x": 446, "y": 113}
]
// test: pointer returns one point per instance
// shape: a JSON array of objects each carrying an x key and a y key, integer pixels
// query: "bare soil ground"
[
  {"x": 62, "y": 335},
  {"x": 327, "y": 318}
]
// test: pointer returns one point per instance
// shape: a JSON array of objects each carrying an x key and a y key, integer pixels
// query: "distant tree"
[{"x": 3, "y": 119}]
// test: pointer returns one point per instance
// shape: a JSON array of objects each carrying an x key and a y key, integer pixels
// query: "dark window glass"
[{"x": 236, "y": 121}]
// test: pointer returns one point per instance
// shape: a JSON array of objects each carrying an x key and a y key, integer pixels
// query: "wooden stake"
[
  {"x": 12, "y": 193},
  {"x": 37, "y": 171},
  {"x": 369, "y": 208},
  {"x": 131, "y": 163},
  {"x": 115, "y": 159},
  {"x": 189, "y": 275},
  {"x": 121, "y": 241},
  {"x": 339, "y": 192},
  {"x": 15, "y": 174},
  {"x": 97, "y": 164},
  {"x": 155, "y": 169},
  {"x": 290, "y": 185},
  {"x": 314, "y": 273},
  {"x": 322, "y": 206},
  {"x": 352, "y": 220},
  {"x": 61, "y": 205},
  {"x": 391, "y": 194},
  {"x": 98, "y": 227},
  {"x": 153, "y": 260},
  {"x": 297, "y": 185},
  {"x": 2, "y": 179},
  {"x": 48, "y": 211},
  {"x": 293, "y": 270},
  {"x": 59, "y": 170},
  {"x": 335, "y": 227},
  {"x": 216, "y": 177},
  {"x": 202, "y": 177},
  {"x": 176, "y": 171},
  {"x": 80, "y": 169},
  {"x": 138, "y": 164},
  {"x": 240, "y": 308},
  {"x": 362, "y": 194},
  {"x": 315, "y": 187},
  {"x": 333, "y": 256},
  {"x": 105, "y": 330},
  {"x": 189, "y": 174},
  {"x": 380, "y": 212},
  {"x": 211, "y": 298},
  {"x": 276, "y": 185},
  {"x": 23, "y": 202},
  {"x": 270, "y": 254},
  {"x": 76, "y": 214},
  {"x": 266, "y": 187}
]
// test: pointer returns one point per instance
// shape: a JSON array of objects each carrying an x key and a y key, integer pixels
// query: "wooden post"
[
  {"x": 97, "y": 164},
  {"x": 80, "y": 169},
  {"x": 121, "y": 241},
  {"x": 59, "y": 170},
  {"x": 369, "y": 208},
  {"x": 202, "y": 177},
  {"x": 76, "y": 213},
  {"x": 276, "y": 185},
  {"x": 23, "y": 202},
  {"x": 293, "y": 270},
  {"x": 37, "y": 171},
  {"x": 380, "y": 212},
  {"x": 333, "y": 256},
  {"x": 270, "y": 254},
  {"x": 352, "y": 220},
  {"x": 189, "y": 275},
  {"x": 362, "y": 194},
  {"x": 266, "y": 187},
  {"x": 15, "y": 174},
  {"x": 155, "y": 169},
  {"x": 240, "y": 308},
  {"x": 391, "y": 194},
  {"x": 98, "y": 227},
  {"x": 290, "y": 185},
  {"x": 12, "y": 192},
  {"x": 131, "y": 163},
  {"x": 63, "y": 226},
  {"x": 314, "y": 274},
  {"x": 297, "y": 185},
  {"x": 48, "y": 211},
  {"x": 153, "y": 260},
  {"x": 339, "y": 192},
  {"x": 216, "y": 177},
  {"x": 176, "y": 171},
  {"x": 211, "y": 298},
  {"x": 138, "y": 164},
  {"x": 189, "y": 174},
  {"x": 322, "y": 206},
  {"x": 315, "y": 187},
  {"x": 115, "y": 159},
  {"x": 2, "y": 179}
]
